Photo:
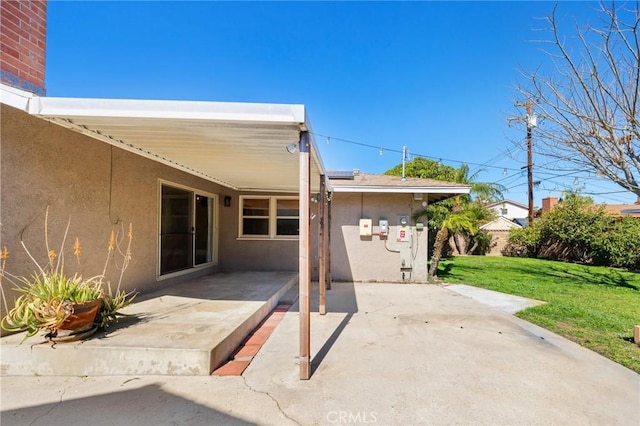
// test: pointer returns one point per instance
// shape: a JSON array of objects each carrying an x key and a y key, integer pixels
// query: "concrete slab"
[
  {"x": 387, "y": 354},
  {"x": 187, "y": 329},
  {"x": 505, "y": 302}
]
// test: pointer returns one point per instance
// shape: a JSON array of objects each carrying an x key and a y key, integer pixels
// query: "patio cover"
[{"x": 239, "y": 145}]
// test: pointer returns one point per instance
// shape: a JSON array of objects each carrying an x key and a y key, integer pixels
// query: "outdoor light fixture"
[
  {"x": 292, "y": 148},
  {"x": 227, "y": 201}
]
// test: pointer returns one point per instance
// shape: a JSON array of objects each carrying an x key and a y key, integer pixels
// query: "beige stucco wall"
[
  {"x": 102, "y": 188},
  {"x": 97, "y": 187},
  {"x": 260, "y": 255},
  {"x": 366, "y": 258}
]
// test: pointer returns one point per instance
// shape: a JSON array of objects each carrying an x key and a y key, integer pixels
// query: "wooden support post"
[
  {"x": 303, "y": 263},
  {"x": 636, "y": 334},
  {"x": 322, "y": 249},
  {"x": 329, "y": 276}
]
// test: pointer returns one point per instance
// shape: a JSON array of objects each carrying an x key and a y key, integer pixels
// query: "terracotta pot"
[{"x": 84, "y": 314}]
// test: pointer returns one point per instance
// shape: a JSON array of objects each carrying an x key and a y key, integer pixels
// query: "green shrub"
[
  {"x": 482, "y": 242},
  {"x": 620, "y": 246},
  {"x": 579, "y": 231},
  {"x": 523, "y": 242},
  {"x": 573, "y": 231}
]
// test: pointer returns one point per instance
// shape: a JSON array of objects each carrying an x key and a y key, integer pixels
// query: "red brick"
[
  {"x": 40, "y": 7},
  {"x": 19, "y": 17},
  {"x": 247, "y": 351},
  {"x": 42, "y": 30},
  {"x": 12, "y": 26},
  {"x": 23, "y": 38},
  {"x": 8, "y": 50},
  {"x": 232, "y": 368},
  {"x": 11, "y": 60},
  {"x": 10, "y": 7},
  {"x": 9, "y": 68},
  {"x": 257, "y": 339},
  {"x": 9, "y": 37}
]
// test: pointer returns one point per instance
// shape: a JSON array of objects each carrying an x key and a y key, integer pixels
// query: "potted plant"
[{"x": 65, "y": 307}]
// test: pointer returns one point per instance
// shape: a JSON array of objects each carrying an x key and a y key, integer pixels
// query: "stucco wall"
[
  {"x": 260, "y": 255},
  {"x": 97, "y": 187},
  {"x": 355, "y": 258}
]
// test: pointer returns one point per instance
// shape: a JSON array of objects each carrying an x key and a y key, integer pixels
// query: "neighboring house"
[
  {"x": 626, "y": 210},
  {"x": 509, "y": 215},
  {"x": 499, "y": 229},
  {"x": 208, "y": 186},
  {"x": 509, "y": 209}
]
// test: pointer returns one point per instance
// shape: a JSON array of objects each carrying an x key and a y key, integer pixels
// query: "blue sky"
[{"x": 437, "y": 77}]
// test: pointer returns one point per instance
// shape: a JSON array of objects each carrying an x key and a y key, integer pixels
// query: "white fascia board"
[
  {"x": 189, "y": 110},
  {"x": 404, "y": 189},
  {"x": 15, "y": 98}
]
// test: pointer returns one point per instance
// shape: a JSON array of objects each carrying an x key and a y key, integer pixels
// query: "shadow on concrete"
[
  {"x": 152, "y": 405},
  {"x": 341, "y": 299},
  {"x": 324, "y": 350}
]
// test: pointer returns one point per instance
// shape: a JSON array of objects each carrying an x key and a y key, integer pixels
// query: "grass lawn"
[{"x": 594, "y": 306}]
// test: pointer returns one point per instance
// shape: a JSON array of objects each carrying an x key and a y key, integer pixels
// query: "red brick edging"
[{"x": 243, "y": 355}]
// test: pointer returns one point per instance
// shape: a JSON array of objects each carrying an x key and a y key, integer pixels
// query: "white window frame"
[
  {"x": 215, "y": 230},
  {"x": 273, "y": 218}
]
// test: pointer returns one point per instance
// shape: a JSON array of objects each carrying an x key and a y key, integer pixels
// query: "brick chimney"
[
  {"x": 23, "y": 42},
  {"x": 548, "y": 204}
]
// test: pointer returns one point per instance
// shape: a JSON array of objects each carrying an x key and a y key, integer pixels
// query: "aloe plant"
[
  {"x": 47, "y": 301},
  {"x": 48, "y": 297}
]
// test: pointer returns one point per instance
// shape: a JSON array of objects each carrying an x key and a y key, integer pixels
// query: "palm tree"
[
  {"x": 453, "y": 224},
  {"x": 457, "y": 219}
]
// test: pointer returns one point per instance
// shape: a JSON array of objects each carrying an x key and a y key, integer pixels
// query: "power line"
[
  {"x": 415, "y": 154},
  {"x": 547, "y": 172}
]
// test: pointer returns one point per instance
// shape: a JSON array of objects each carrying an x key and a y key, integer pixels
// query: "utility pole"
[
  {"x": 531, "y": 123},
  {"x": 404, "y": 159}
]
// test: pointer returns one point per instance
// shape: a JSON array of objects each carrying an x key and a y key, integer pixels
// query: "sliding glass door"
[{"x": 186, "y": 229}]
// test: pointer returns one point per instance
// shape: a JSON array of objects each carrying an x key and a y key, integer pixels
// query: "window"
[
  {"x": 269, "y": 217},
  {"x": 255, "y": 216},
  {"x": 503, "y": 211},
  {"x": 187, "y": 231}
]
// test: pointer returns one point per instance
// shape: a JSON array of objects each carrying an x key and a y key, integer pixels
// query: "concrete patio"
[
  {"x": 388, "y": 354},
  {"x": 185, "y": 329}
]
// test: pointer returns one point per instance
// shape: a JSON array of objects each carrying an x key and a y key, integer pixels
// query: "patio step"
[
  {"x": 243, "y": 355},
  {"x": 189, "y": 329}
]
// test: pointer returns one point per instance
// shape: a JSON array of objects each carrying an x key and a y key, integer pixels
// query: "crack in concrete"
[
  {"x": 244, "y": 380},
  {"x": 53, "y": 407}
]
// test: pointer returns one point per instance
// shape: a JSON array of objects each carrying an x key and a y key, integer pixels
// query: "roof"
[
  {"x": 632, "y": 210},
  {"x": 239, "y": 145},
  {"x": 435, "y": 190},
  {"x": 500, "y": 224},
  {"x": 522, "y": 221}
]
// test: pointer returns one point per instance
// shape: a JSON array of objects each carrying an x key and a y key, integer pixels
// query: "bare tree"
[{"x": 588, "y": 104}]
